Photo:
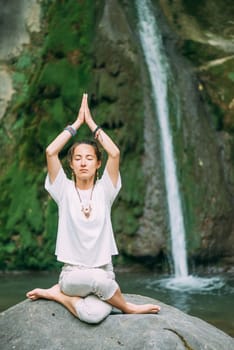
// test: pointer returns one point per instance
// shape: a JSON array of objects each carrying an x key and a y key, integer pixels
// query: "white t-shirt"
[{"x": 81, "y": 241}]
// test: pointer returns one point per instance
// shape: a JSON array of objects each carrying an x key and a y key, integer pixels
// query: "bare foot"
[
  {"x": 39, "y": 293},
  {"x": 143, "y": 309},
  {"x": 54, "y": 293}
]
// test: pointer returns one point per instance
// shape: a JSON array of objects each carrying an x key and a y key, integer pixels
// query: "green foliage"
[
  {"x": 24, "y": 61},
  {"x": 61, "y": 78},
  {"x": 23, "y": 207},
  {"x": 219, "y": 87},
  {"x": 51, "y": 88},
  {"x": 52, "y": 79},
  {"x": 231, "y": 76},
  {"x": 70, "y": 27},
  {"x": 22, "y": 217},
  {"x": 212, "y": 16},
  {"x": 200, "y": 53}
]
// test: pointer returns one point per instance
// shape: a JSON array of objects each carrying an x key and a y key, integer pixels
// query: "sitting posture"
[{"x": 85, "y": 239}]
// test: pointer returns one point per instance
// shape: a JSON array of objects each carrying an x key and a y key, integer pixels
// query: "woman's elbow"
[
  {"x": 116, "y": 153},
  {"x": 49, "y": 151}
]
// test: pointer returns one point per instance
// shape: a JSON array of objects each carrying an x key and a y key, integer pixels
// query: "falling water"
[
  {"x": 158, "y": 67},
  {"x": 159, "y": 70}
]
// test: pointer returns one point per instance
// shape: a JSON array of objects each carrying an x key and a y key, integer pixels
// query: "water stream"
[
  {"x": 158, "y": 67},
  {"x": 159, "y": 72}
]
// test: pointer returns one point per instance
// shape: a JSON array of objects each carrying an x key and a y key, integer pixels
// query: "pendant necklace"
[{"x": 85, "y": 208}]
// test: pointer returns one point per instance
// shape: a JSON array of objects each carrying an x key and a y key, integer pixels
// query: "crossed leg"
[
  {"x": 54, "y": 293},
  {"x": 118, "y": 301},
  {"x": 70, "y": 302}
]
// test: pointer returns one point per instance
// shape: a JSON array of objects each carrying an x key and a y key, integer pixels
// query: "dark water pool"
[{"x": 213, "y": 305}]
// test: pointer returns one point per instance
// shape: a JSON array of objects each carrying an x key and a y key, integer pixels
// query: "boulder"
[{"x": 46, "y": 325}]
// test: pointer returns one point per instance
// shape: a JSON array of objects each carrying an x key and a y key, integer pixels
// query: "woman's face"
[{"x": 84, "y": 162}]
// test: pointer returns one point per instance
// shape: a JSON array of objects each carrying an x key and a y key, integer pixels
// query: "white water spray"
[{"x": 158, "y": 69}]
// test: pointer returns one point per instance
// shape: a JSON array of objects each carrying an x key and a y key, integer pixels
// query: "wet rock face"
[
  {"x": 118, "y": 83},
  {"x": 17, "y": 19},
  {"x": 201, "y": 20},
  {"x": 49, "y": 326},
  {"x": 202, "y": 148},
  {"x": 13, "y": 32},
  {"x": 204, "y": 35}
]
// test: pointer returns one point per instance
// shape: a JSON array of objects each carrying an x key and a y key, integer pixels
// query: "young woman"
[{"x": 85, "y": 240}]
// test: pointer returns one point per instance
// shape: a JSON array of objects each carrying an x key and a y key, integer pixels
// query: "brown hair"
[{"x": 86, "y": 142}]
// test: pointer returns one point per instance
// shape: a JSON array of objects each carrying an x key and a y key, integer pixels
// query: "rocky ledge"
[{"x": 46, "y": 325}]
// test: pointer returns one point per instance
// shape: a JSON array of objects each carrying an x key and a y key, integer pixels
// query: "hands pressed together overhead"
[{"x": 84, "y": 115}]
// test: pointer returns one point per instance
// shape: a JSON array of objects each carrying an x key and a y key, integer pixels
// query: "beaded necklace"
[{"x": 86, "y": 207}]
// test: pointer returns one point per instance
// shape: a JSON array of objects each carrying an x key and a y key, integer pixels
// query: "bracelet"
[
  {"x": 95, "y": 131},
  {"x": 70, "y": 129},
  {"x": 98, "y": 134}
]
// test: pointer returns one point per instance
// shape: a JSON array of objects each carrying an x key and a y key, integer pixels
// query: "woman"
[{"x": 85, "y": 240}]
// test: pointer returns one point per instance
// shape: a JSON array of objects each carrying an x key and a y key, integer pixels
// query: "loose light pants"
[{"x": 93, "y": 285}]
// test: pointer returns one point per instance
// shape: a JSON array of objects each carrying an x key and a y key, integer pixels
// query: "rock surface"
[{"x": 46, "y": 325}]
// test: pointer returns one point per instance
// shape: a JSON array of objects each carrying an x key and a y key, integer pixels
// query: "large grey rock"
[{"x": 46, "y": 325}]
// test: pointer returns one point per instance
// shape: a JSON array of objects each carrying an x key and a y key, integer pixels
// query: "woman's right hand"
[{"x": 81, "y": 114}]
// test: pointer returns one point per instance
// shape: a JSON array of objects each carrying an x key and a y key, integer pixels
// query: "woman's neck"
[{"x": 85, "y": 184}]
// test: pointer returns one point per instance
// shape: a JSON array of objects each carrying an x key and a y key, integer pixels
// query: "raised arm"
[
  {"x": 52, "y": 151},
  {"x": 109, "y": 146}
]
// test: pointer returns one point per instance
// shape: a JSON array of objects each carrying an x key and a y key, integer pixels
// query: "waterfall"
[
  {"x": 159, "y": 72},
  {"x": 158, "y": 67}
]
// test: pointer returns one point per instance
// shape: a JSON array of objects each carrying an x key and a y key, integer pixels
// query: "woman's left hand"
[
  {"x": 87, "y": 115},
  {"x": 80, "y": 116}
]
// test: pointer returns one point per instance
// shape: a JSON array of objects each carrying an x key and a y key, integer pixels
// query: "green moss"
[
  {"x": 50, "y": 91},
  {"x": 212, "y": 16},
  {"x": 200, "y": 53},
  {"x": 24, "y": 61},
  {"x": 222, "y": 82},
  {"x": 61, "y": 78},
  {"x": 231, "y": 76},
  {"x": 69, "y": 21},
  {"x": 51, "y": 79},
  {"x": 219, "y": 86},
  {"x": 19, "y": 78}
]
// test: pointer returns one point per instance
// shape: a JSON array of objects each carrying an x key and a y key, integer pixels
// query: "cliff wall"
[{"x": 50, "y": 54}]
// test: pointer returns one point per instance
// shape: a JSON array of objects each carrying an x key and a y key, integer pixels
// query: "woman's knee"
[
  {"x": 85, "y": 282},
  {"x": 67, "y": 286},
  {"x": 103, "y": 286},
  {"x": 75, "y": 284}
]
